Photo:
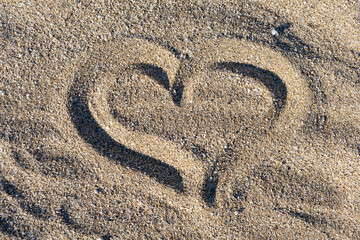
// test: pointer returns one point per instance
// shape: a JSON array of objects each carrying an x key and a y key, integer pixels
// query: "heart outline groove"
[{"x": 154, "y": 156}]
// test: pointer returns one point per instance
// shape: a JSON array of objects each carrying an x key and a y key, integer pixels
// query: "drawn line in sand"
[
  {"x": 93, "y": 133},
  {"x": 157, "y": 156},
  {"x": 269, "y": 79}
]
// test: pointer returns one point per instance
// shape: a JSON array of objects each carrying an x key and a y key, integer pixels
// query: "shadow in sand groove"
[
  {"x": 91, "y": 132},
  {"x": 270, "y": 80}
]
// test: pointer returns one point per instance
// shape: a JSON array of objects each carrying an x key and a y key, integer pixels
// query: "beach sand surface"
[{"x": 180, "y": 120}]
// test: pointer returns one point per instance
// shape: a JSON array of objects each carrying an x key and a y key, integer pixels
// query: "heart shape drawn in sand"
[{"x": 174, "y": 118}]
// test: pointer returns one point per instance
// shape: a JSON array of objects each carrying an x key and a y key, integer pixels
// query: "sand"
[{"x": 187, "y": 120}]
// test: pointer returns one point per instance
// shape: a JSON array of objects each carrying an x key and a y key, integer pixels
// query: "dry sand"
[{"x": 194, "y": 120}]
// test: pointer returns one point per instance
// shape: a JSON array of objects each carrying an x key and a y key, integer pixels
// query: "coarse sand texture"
[{"x": 180, "y": 120}]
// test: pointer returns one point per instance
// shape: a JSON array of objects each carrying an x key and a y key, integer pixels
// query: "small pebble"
[{"x": 274, "y": 32}]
